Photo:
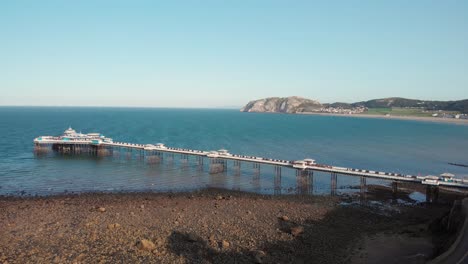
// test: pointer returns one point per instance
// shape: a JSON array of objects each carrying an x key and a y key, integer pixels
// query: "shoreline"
[
  {"x": 411, "y": 118},
  {"x": 208, "y": 226}
]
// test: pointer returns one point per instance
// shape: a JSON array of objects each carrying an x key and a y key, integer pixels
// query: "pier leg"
[
  {"x": 432, "y": 194},
  {"x": 428, "y": 194},
  {"x": 102, "y": 151},
  {"x": 333, "y": 183},
  {"x": 277, "y": 182},
  {"x": 216, "y": 166},
  {"x": 237, "y": 167},
  {"x": 256, "y": 177},
  {"x": 184, "y": 160},
  {"x": 153, "y": 158},
  {"x": 116, "y": 152},
  {"x": 237, "y": 178},
  {"x": 311, "y": 182},
  {"x": 303, "y": 181},
  {"x": 363, "y": 190},
  {"x": 256, "y": 167},
  {"x": 129, "y": 153},
  {"x": 394, "y": 189},
  {"x": 200, "y": 163},
  {"x": 200, "y": 160}
]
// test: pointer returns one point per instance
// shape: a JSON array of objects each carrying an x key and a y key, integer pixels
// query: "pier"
[{"x": 72, "y": 142}]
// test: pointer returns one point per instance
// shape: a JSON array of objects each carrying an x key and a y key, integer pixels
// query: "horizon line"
[{"x": 115, "y": 106}]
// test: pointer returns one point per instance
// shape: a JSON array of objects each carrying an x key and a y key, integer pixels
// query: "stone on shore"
[
  {"x": 113, "y": 226},
  {"x": 225, "y": 244},
  {"x": 145, "y": 244},
  {"x": 297, "y": 230}
]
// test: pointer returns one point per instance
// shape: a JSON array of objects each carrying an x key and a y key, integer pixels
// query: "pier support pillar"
[
  {"x": 428, "y": 194},
  {"x": 394, "y": 189},
  {"x": 256, "y": 177},
  {"x": 237, "y": 166},
  {"x": 184, "y": 159},
  {"x": 200, "y": 163},
  {"x": 277, "y": 182},
  {"x": 363, "y": 188},
  {"x": 304, "y": 181},
  {"x": 256, "y": 167},
  {"x": 432, "y": 194},
  {"x": 333, "y": 183},
  {"x": 115, "y": 152},
  {"x": 311, "y": 182},
  {"x": 152, "y": 157},
  {"x": 41, "y": 148},
  {"x": 102, "y": 151},
  {"x": 129, "y": 153},
  {"x": 217, "y": 165},
  {"x": 363, "y": 184}
]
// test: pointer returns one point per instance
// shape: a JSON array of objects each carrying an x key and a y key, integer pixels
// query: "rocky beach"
[{"x": 212, "y": 226}]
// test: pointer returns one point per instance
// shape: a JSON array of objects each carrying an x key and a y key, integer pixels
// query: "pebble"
[
  {"x": 112, "y": 226},
  {"x": 284, "y": 218},
  {"x": 297, "y": 230},
  {"x": 145, "y": 244},
  {"x": 225, "y": 244},
  {"x": 101, "y": 209}
]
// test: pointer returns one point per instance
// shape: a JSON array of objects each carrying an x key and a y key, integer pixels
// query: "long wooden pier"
[{"x": 95, "y": 143}]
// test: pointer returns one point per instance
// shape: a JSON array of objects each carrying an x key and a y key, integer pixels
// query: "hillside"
[{"x": 296, "y": 104}]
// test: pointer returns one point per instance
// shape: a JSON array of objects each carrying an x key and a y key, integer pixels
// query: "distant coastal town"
[
  {"x": 365, "y": 110},
  {"x": 387, "y": 107}
]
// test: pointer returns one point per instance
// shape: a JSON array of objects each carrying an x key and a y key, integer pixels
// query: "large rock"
[{"x": 293, "y": 104}]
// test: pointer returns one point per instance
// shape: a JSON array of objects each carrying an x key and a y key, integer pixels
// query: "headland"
[{"x": 389, "y": 108}]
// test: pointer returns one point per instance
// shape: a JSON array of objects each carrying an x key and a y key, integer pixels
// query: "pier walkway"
[{"x": 72, "y": 142}]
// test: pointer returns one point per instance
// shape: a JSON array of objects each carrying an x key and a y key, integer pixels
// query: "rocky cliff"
[{"x": 293, "y": 104}]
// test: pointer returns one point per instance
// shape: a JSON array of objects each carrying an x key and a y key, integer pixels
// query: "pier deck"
[{"x": 71, "y": 139}]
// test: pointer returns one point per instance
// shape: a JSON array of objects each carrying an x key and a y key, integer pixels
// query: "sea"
[{"x": 401, "y": 146}]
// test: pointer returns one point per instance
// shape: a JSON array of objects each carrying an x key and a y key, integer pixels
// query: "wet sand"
[
  {"x": 210, "y": 226},
  {"x": 414, "y": 118}
]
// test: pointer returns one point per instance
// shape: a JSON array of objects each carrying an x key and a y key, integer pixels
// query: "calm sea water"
[{"x": 384, "y": 145}]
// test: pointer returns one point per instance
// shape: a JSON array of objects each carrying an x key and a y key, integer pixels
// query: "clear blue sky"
[{"x": 225, "y": 53}]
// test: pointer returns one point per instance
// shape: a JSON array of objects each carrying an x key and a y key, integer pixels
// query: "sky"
[{"x": 226, "y": 53}]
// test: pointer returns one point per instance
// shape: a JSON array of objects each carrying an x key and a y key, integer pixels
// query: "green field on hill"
[{"x": 395, "y": 111}]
